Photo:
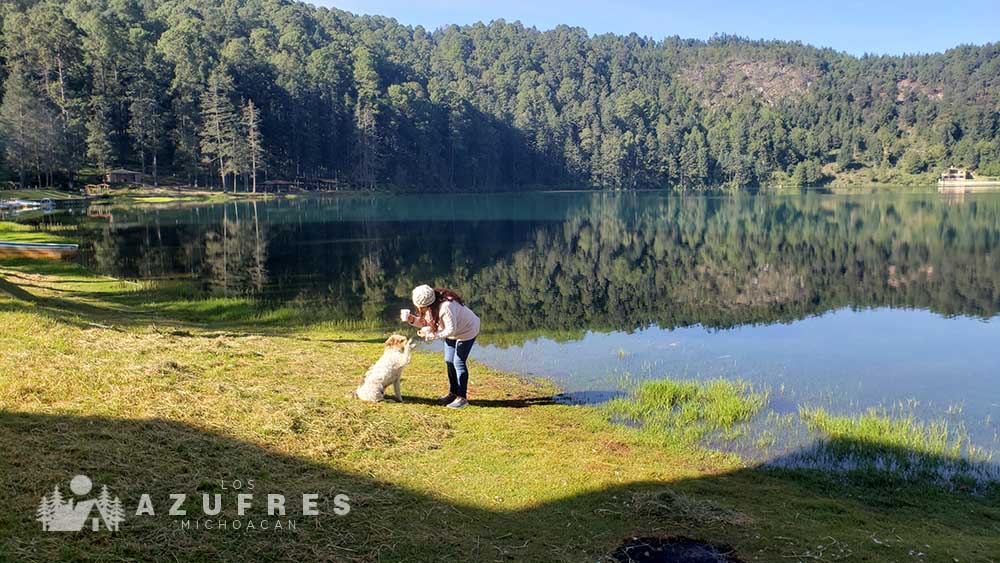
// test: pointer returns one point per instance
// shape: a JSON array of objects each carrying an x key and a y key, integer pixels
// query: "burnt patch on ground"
[{"x": 676, "y": 549}]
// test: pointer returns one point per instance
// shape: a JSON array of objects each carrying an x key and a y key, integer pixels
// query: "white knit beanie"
[{"x": 423, "y": 296}]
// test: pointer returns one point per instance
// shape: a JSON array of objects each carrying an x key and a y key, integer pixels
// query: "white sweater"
[{"x": 457, "y": 322}]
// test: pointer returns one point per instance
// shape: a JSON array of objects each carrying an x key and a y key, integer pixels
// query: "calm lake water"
[{"x": 841, "y": 301}]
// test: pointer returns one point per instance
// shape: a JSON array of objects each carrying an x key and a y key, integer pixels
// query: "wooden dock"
[{"x": 37, "y": 250}]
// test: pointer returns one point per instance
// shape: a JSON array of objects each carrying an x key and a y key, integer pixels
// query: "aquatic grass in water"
[
  {"x": 685, "y": 412},
  {"x": 897, "y": 444},
  {"x": 881, "y": 443}
]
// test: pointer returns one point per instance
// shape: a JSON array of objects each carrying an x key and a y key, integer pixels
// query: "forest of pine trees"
[{"x": 228, "y": 93}]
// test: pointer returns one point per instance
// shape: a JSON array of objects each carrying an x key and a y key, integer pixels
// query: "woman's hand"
[{"x": 425, "y": 333}]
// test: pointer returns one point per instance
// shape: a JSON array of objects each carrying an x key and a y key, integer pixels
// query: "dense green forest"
[{"x": 230, "y": 91}]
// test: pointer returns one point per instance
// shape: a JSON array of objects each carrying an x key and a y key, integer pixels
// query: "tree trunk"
[
  {"x": 156, "y": 179},
  {"x": 62, "y": 90}
]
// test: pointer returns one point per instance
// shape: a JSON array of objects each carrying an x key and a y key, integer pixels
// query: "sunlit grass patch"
[
  {"x": 898, "y": 444},
  {"x": 35, "y": 195},
  {"x": 683, "y": 411},
  {"x": 18, "y": 232},
  {"x": 162, "y": 199}
]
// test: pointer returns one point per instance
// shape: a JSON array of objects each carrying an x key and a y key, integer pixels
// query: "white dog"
[{"x": 388, "y": 370}]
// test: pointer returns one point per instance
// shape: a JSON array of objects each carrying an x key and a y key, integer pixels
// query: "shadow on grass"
[
  {"x": 768, "y": 515},
  {"x": 71, "y": 312},
  {"x": 16, "y": 291},
  {"x": 516, "y": 403},
  {"x": 67, "y": 293}
]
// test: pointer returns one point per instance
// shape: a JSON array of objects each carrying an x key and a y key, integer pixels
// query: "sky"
[{"x": 857, "y": 27}]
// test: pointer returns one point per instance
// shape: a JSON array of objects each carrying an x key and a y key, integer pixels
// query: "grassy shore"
[
  {"x": 38, "y": 195},
  {"x": 17, "y": 232},
  {"x": 139, "y": 195},
  {"x": 149, "y": 390}
]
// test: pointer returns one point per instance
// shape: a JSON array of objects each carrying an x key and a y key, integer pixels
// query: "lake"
[{"x": 850, "y": 302}]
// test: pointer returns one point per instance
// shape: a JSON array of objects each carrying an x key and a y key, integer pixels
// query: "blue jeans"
[{"x": 455, "y": 354}]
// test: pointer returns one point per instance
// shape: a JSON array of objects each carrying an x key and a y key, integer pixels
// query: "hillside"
[{"x": 362, "y": 101}]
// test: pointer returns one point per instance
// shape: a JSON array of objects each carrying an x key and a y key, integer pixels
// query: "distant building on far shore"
[
  {"x": 123, "y": 176},
  {"x": 953, "y": 174},
  {"x": 959, "y": 180}
]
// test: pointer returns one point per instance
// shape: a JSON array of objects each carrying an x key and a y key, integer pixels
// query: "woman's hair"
[{"x": 440, "y": 296}]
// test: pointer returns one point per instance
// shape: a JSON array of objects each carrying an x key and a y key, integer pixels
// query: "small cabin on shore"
[
  {"x": 953, "y": 174},
  {"x": 279, "y": 185},
  {"x": 123, "y": 176}
]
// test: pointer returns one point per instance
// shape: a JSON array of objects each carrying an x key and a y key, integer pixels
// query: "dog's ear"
[
  {"x": 397, "y": 341},
  {"x": 411, "y": 344}
]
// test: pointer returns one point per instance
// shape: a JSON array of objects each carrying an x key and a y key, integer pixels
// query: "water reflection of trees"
[
  {"x": 236, "y": 253},
  {"x": 613, "y": 262},
  {"x": 626, "y": 262},
  {"x": 227, "y": 257}
]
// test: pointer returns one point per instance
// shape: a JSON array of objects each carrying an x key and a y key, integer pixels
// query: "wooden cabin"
[
  {"x": 123, "y": 176},
  {"x": 278, "y": 185}
]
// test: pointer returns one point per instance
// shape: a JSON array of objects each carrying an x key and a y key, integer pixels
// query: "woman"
[{"x": 441, "y": 314}]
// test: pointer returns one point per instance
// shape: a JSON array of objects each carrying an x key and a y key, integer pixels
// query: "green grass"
[
  {"x": 686, "y": 412},
  {"x": 150, "y": 391},
  {"x": 36, "y": 195},
  {"x": 17, "y": 232},
  {"x": 879, "y": 442},
  {"x": 163, "y": 199},
  {"x": 877, "y": 427}
]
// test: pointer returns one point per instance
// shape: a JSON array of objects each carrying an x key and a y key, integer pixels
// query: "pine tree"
[
  {"x": 27, "y": 127},
  {"x": 104, "y": 505},
  {"x": 145, "y": 123},
  {"x": 218, "y": 116},
  {"x": 45, "y": 512},
  {"x": 366, "y": 112},
  {"x": 845, "y": 156},
  {"x": 184, "y": 137},
  {"x": 116, "y": 514},
  {"x": 254, "y": 147},
  {"x": 99, "y": 128},
  {"x": 56, "y": 499}
]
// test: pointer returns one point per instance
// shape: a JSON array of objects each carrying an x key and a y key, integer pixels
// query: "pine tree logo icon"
[{"x": 59, "y": 514}]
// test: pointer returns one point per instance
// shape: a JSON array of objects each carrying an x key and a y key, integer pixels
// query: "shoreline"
[{"x": 162, "y": 194}]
